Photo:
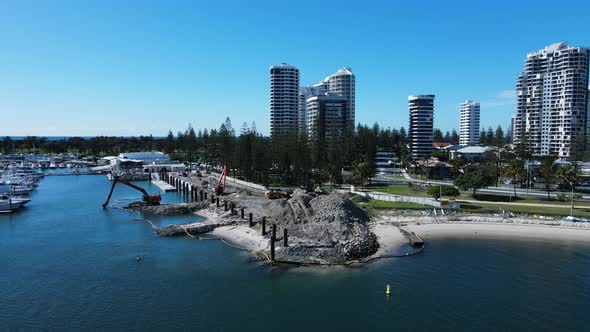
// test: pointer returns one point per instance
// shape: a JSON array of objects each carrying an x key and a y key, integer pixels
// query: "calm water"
[{"x": 65, "y": 263}]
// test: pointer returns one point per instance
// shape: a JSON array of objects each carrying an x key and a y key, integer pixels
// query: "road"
[{"x": 491, "y": 190}]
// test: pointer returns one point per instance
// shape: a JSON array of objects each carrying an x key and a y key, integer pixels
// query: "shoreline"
[
  {"x": 393, "y": 243},
  {"x": 500, "y": 231}
]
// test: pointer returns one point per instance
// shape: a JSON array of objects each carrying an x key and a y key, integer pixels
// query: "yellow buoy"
[{"x": 387, "y": 290}]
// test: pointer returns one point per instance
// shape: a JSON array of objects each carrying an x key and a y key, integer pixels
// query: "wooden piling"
[
  {"x": 272, "y": 242},
  {"x": 250, "y": 224},
  {"x": 225, "y": 205},
  {"x": 217, "y": 201},
  {"x": 285, "y": 238},
  {"x": 242, "y": 212},
  {"x": 201, "y": 194},
  {"x": 263, "y": 225}
]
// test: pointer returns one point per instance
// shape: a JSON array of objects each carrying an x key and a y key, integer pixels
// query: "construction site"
[{"x": 291, "y": 227}]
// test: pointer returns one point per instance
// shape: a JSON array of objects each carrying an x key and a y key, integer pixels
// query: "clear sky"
[{"x": 143, "y": 67}]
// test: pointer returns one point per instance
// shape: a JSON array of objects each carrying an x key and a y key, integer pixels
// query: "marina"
[{"x": 64, "y": 252}]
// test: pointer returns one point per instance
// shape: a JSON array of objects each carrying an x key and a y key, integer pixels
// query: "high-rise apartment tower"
[
  {"x": 469, "y": 126},
  {"x": 284, "y": 100},
  {"x": 552, "y": 100},
  {"x": 421, "y": 109}
]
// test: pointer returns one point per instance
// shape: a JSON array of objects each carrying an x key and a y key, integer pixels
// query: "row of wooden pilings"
[
  {"x": 190, "y": 192},
  {"x": 273, "y": 238},
  {"x": 196, "y": 195}
]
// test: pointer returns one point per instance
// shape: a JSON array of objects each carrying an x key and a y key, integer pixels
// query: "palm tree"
[
  {"x": 515, "y": 171},
  {"x": 569, "y": 175},
  {"x": 548, "y": 170}
]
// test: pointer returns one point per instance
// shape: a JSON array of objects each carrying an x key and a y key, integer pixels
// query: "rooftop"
[{"x": 474, "y": 149}]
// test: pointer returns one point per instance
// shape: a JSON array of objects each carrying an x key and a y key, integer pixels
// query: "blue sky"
[{"x": 143, "y": 67}]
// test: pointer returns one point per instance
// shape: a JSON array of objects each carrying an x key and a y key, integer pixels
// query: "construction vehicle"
[
  {"x": 276, "y": 193},
  {"x": 220, "y": 188},
  {"x": 118, "y": 175}
]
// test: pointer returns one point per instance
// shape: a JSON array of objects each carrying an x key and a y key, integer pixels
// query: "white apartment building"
[
  {"x": 342, "y": 84},
  {"x": 304, "y": 93},
  {"x": 469, "y": 125},
  {"x": 421, "y": 109},
  {"x": 284, "y": 100},
  {"x": 552, "y": 100}
]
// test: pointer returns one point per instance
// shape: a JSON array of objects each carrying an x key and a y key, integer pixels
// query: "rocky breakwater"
[
  {"x": 167, "y": 209},
  {"x": 322, "y": 229}
]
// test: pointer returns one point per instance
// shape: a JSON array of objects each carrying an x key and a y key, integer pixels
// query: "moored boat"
[{"x": 10, "y": 204}]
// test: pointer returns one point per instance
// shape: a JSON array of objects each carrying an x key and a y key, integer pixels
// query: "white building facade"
[
  {"x": 469, "y": 124},
  {"x": 284, "y": 100},
  {"x": 343, "y": 83},
  {"x": 338, "y": 87},
  {"x": 305, "y": 93},
  {"x": 552, "y": 100}
]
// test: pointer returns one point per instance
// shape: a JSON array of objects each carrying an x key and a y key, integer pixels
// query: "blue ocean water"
[{"x": 65, "y": 263}]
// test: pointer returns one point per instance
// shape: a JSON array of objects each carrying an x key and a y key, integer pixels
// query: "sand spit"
[
  {"x": 492, "y": 226},
  {"x": 321, "y": 229}
]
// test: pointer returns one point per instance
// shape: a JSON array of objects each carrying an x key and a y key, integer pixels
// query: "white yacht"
[{"x": 9, "y": 204}]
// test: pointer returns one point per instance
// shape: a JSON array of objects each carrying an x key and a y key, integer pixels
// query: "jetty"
[{"x": 164, "y": 186}]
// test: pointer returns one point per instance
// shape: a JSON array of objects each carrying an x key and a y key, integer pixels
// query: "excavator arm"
[
  {"x": 147, "y": 198},
  {"x": 134, "y": 186},
  {"x": 220, "y": 188}
]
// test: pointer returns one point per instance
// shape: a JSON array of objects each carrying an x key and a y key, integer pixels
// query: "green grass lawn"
[
  {"x": 420, "y": 191},
  {"x": 487, "y": 197},
  {"x": 475, "y": 208},
  {"x": 540, "y": 210}
]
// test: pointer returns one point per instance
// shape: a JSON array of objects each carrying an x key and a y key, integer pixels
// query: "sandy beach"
[
  {"x": 390, "y": 238},
  {"x": 500, "y": 231},
  {"x": 242, "y": 237}
]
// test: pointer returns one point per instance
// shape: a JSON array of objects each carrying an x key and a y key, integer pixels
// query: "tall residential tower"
[
  {"x": 421, "y": 119},
  {"x": 552, "y": 100},
  {"x": 469, "y": 129},
  {"x": 284, "y": 92},
  {"x": 338, "y": 88},
  {"x": 342, "y": 83},
  {"x": 327, "y": 116}
]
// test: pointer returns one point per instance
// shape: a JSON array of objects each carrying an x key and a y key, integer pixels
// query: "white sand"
[
  {"x": 500, "y": 231},
  {"x": 243, "y": 237},
  {"x": 389, "y": 236}
]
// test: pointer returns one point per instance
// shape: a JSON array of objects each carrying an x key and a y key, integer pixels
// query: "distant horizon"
[{"x": 114, "y": 69}]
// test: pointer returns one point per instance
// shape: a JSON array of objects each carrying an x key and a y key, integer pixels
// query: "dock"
[{"x": 163, "y": 185}]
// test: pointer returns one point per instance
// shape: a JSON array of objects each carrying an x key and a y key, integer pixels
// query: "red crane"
[{"x": 220, "y": 188}]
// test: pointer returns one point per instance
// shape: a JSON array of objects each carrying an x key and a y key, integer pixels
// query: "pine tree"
[{"x": 499, "y": 139}]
